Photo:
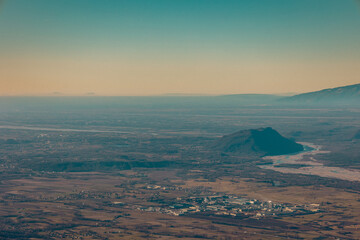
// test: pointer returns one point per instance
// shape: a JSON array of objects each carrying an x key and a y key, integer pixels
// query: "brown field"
[{"x": 78, "y": 207}]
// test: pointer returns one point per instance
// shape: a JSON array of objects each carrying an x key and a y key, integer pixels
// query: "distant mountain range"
[
  {"x": 261, "y": 141},
  {"x": 250, "y": 98},
  {"x": 346, "y": 95},
  {"x": 349, "y": 95}
]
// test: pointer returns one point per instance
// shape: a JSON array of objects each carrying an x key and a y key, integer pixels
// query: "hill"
[
  {"x": 349, "y": 95},
  {"x": 262, "y": 141}
]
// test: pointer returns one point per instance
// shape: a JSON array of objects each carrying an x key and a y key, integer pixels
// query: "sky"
[{"x": 154, "y": 47}]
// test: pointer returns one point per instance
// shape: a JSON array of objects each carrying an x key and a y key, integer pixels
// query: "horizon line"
[{"x": 154, "y": 95}]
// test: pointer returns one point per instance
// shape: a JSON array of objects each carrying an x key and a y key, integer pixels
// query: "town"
[{"x": 229, "y": 205}]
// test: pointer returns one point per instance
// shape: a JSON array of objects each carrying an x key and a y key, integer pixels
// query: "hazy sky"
[{"x": 148, "y": 47}]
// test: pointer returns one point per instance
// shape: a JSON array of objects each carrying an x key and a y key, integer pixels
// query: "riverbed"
[{"x": 307, "y": 164}]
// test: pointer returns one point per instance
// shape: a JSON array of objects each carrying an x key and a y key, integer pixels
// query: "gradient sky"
[{"x": 149, "y": 47}]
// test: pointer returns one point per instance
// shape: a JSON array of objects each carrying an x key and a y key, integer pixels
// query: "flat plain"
[{"x": 115, "y": 170}]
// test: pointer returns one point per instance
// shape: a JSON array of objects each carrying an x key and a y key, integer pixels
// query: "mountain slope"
[{"x": 340, "y": 95}]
